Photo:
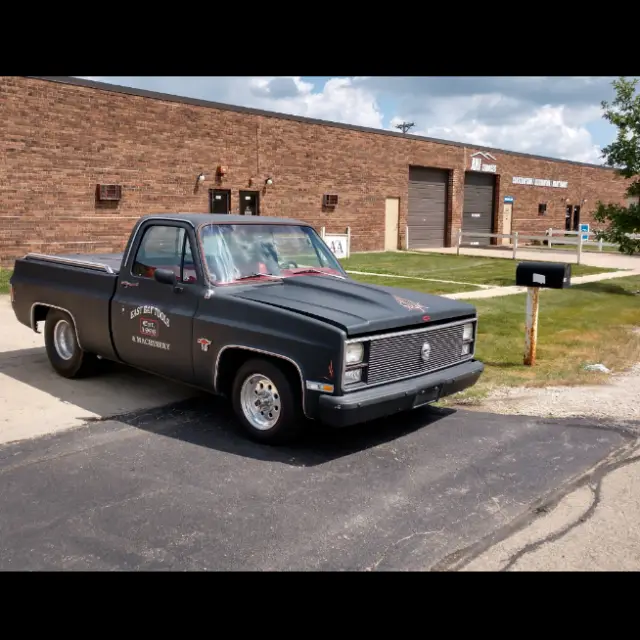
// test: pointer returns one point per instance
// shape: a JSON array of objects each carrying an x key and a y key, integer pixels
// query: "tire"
[
  {"x": 64, "y": 352},
  {"x": 281, "y": 415}
]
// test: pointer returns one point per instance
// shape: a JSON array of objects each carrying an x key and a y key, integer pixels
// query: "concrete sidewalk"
[
  {"x": 34, "y": 400},
  {"x": 495, "y": 292},
  {"x": 593, "y": 259}
]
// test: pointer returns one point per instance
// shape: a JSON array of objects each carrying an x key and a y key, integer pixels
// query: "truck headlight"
[
  {"x": 354, "y": 353},
  {"x": 467, "y": 333}
]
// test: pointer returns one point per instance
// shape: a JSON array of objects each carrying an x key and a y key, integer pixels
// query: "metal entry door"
[
  {"x": 220, "y": 201},
  {"x": 249, "y": 203}
]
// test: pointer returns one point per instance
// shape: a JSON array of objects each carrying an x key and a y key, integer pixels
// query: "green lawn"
[
  {"x": 468, "y": 269},
  {"x": 436, "y": 288},
  {"x": 5, "y": 274},
  {"x": 587, "y": 324}
]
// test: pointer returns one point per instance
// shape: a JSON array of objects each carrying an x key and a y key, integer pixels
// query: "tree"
[{"x": 624, "y": 155}]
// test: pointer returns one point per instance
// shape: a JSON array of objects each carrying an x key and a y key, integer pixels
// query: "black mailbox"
[{"x": 550, "y": 275}]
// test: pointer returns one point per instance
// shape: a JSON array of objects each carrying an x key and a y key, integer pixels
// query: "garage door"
[
  {"x": 477, "y": 213},
  {"x": 427, "y": 207}
]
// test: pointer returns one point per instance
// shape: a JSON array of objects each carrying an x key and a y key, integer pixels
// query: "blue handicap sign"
[{"x": 584, "y": 229}]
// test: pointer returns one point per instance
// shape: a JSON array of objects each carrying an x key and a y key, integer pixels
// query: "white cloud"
[
  {"x": 339, "y": 100},
  {"x": 499, "y": 121},
  {"x": 545, "y": 116}
]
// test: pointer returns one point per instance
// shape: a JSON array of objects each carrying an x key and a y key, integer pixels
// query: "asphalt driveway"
[{"x": 178, "y": 489}]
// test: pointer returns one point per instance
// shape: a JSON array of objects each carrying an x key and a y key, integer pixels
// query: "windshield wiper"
[
  {"x": 257, "y": 275},
  {"x": 324, "y": 273}
]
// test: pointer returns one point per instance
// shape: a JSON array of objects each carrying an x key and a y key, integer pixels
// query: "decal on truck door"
[
  {"x": 149, "y": 318},
  {"x": 147, "y": 342},
  {"x": 149, "y": 327},
  {"x": 204, "y": 343},
  {"x": 148, "y": 310}
]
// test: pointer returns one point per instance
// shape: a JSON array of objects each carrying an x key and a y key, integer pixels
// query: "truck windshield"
[{"x": 246, "y": 252}]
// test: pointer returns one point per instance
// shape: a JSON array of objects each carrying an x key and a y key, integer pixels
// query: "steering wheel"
[{"x": 288, "y": 265}]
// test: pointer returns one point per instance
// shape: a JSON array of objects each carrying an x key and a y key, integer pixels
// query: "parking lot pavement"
[
  {"x": 178, "y": 489},
  {"x": 34, "y": 400}
]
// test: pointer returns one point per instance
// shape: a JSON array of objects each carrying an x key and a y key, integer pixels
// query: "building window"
[{"x": 542, "y": 209}]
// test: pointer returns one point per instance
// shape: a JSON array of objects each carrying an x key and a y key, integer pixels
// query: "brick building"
[{"x": 62, "y": 137}]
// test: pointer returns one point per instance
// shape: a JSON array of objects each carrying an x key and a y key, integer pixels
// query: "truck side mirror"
[{"x": 164, "y": 276}]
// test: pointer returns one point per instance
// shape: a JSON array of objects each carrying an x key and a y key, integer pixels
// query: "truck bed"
[
  {"x": 109, "y": 262},
  {"x": 81, "y": 284}
]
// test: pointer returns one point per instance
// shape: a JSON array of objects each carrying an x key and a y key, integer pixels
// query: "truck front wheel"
[
  {"x": 265, "y": 402},
  {"x": 64, "y": 352}
]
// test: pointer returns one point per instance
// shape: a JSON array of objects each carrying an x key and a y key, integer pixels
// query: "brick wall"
[{"x": 57, "y": 141}]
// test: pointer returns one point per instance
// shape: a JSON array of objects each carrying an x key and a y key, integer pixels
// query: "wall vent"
[{"x": 109, "y": 192}]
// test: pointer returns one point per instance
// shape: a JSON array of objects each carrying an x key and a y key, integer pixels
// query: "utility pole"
[{"x": 405, "y": 126}]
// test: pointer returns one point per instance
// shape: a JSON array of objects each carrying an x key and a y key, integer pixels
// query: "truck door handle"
[{"x": 178, "y": 289}]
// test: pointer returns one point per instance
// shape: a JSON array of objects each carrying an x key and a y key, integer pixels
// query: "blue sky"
[{"x": 553, "y": 116}]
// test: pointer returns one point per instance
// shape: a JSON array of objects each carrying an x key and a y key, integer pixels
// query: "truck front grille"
[{"x": 399, "y": 355}]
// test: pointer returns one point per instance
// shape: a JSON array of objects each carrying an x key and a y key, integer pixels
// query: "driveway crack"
[
  {"x": 596, "y": 489},
  {"x": 621, "y": 457}
]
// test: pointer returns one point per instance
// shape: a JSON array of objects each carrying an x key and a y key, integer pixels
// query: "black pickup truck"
[{"x": 256, "y": 309}]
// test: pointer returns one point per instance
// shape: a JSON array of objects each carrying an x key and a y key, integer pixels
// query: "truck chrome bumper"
[{"x": 377, "y": 402}]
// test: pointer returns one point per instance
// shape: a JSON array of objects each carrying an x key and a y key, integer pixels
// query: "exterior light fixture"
[
  {"x": 268, "y": 181},
  {"x": 201, "y": 177}
]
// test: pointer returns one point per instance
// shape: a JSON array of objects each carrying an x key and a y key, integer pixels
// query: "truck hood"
[{"x": 355, "y": 307}]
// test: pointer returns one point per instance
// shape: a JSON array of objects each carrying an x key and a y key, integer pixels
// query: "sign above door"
[{"x": 482, "y": 161}]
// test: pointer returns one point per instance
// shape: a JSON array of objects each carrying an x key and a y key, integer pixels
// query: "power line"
[{"x": 405, "y": 126}]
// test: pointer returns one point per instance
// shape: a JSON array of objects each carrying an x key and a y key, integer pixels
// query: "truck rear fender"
[{"x": 39, "y": 312}]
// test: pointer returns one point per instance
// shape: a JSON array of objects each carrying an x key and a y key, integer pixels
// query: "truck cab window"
[
  {"x": 165, "y": 247},
  {"x": 236, "y": 252},
  {"x": 188, "y": 271}
]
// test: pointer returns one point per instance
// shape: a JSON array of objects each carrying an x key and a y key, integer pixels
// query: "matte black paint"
[
  {"x": 359, "y": 406},
  {"x": 557, "y": 275},
  {"x": 356, "y": 308},
  {"x": 303, "y": 319}
]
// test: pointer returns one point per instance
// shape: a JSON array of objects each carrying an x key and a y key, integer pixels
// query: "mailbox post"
[
  {"x": 531, "y": 326},
  {"x": 534, "y": 276}
]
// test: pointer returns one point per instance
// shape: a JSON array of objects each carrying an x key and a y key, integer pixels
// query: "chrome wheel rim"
[
  {"x": 260, "y": 401},
  {"x": 63, "y": 339}
]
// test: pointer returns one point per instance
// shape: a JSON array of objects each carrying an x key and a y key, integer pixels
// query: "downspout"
[{"x": 258, "y": 149}]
